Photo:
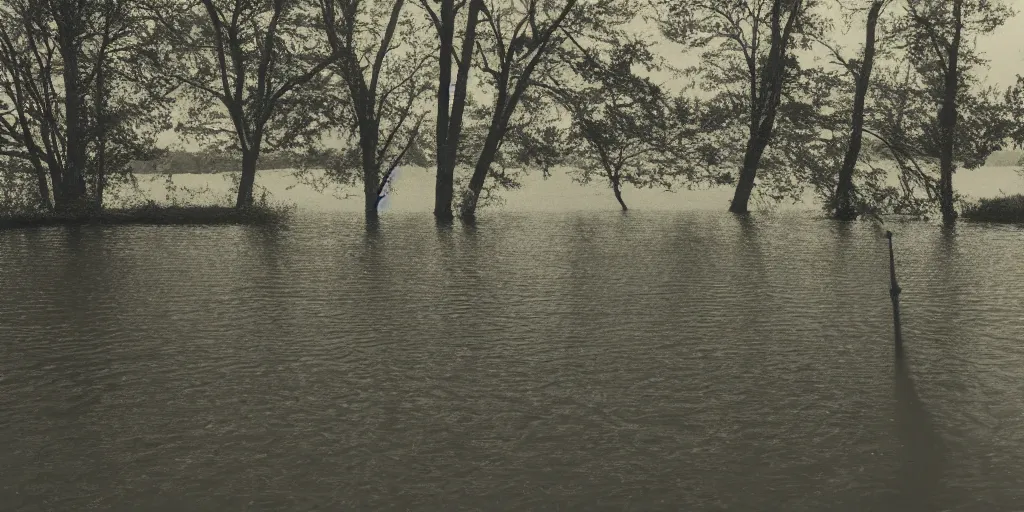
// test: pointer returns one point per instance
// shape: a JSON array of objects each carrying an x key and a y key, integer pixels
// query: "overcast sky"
[{"x": 1004, "y": 48}]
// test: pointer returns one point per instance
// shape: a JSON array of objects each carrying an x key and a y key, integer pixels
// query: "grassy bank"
[
  {"x": 1007, "y": 209},
  {"x": 152, "y": 214}
]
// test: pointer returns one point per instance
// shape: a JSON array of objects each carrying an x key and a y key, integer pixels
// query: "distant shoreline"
[{"x": 152, "y": 214}]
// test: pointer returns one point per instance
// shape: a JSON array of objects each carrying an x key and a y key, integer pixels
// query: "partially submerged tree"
[
  {"x": 451, "y": 98},
  {"x": 909, "y": 143},
  {"x": 621, "y": 124},
  {"x": 508, "y": 43},
  {"x": 257, "y": 60},
  {"x": 749, "y": 56},
  {"x": 509, "y": 59},
  {"x": 937, "y": 36},
  {"x": 75, "y": 104},
  {"x": 843, "y": 201},
  {"x": 383, "y": 69}
]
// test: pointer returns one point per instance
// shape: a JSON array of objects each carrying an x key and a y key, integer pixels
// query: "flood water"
[{"x": 575, "y": 361}]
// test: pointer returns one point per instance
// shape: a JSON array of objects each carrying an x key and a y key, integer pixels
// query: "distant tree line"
[
  {"x": 484, "y": 91},
  {"x": 208, "y": 162},
  {"x": 1004, "y": 159}
]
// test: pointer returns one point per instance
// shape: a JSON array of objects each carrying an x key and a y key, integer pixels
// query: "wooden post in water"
[{"x": 894, "y": 294}]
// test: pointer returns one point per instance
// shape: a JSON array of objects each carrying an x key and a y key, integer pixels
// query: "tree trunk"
[
  {"x": 766, "y": 106},
  {"x": 450, "y": 110},
  {"x": 101, "y": 175},
  {"x": 248, "y": 179},
  {"x": 371, "y": 168},
  {"x": 101, "y": 134},
  {"x": 947, "y": 120},
  {"x": 43, "y": 177},
  {"x": 57, "y": 185},
  {"x": 483, "y": 166},
  {"x": 444, "y": 191},
  {"x": 44, "y": 188},
  {"x": 745, "y": 186},
  {"x": 444, "y": 186},
  {"x": 844, "y": 207},
  {"x": 74, "y": 172},
  {"x": 616, "y": 189}
]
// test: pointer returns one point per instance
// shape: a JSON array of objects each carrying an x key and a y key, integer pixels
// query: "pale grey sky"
[{"x": 1004, "y": 48}]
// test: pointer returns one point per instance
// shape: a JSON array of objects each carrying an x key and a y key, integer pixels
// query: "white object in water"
[{"x": 385, "y": 195}]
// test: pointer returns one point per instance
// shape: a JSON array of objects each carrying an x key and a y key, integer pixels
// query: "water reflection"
[
  {"x": 924, "y": 454},
  {"x": 585, "y": 361}
]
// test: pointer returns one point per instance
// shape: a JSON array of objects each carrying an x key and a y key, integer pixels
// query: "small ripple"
[{"x": 586, "y": 361}]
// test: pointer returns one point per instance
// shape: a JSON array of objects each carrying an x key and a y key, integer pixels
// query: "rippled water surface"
[{"x": 590, "y": 361}]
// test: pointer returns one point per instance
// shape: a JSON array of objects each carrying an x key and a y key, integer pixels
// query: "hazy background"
[{"x": 1003, "y": 47}]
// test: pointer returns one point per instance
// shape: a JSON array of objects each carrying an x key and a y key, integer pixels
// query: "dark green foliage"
[
  {"x": 18, "y": 190},
  {"x": 76, "y": 102},
  {"x": 153, "y": 215},
  {"x": 1005, "y": 158},
  {"x": 248, "y": 70},
  {"x": 1007, "y": 209},
  {"x": 207, "y": 162},
  {"x": 624, "y": 128},
  {"x": 749, "y": 60}
]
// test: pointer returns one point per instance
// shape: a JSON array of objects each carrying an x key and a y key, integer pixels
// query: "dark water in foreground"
[{"x": 675, "y": 361}]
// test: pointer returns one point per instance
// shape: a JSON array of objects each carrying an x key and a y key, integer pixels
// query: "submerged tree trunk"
[
  {"x": 101, "y": 128},
  {"x": 745, "y": 186},
  {"x": 844, "y": 207},
  {"x": 617, "y": 190},
  {"x": 371, "y": 167},
  {"x": 450, "y": 109},
  {"x": 248, "y": 180},
  {"x": 44, "y": 188},
  {"x": 483, "y": 166},
  {"x": 947, "y": 119},
  {"x": 74, "y": 172},
  {"x": 765, "y": 98},
  {"x": 444, "y": 186}
]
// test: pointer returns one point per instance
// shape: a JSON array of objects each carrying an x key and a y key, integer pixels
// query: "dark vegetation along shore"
[
  {"x": 151, "y": 214},
  {"x": 1008, "y": 209},
  {"x": 774, "y": 108}
]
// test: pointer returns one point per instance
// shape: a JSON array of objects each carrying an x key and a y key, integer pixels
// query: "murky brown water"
[{"x": 587, "y": 361}]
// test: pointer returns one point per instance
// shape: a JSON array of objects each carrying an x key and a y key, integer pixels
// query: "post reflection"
[{"x": 924, "y": 453}]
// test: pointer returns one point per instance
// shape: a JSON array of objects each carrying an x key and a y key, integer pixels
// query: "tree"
[
  {"x": 129, "y": 100},
  {"x": 935, "y": 35},
  {"x": 29, "y": 108},
  {"x": 255, "y": 58},
  {"x": 513, "y": 58},
  {"x": 622, "y": 124},
  {"x": 76, "y": 104},
  {"x": 900, "y": 118},
  {"x": 451, "y": 101},
  {"x": 1014, "y": 99},
  {"x": 508, "y": 43},
  {"x": 843, "y": 203},
  {"x": 384, "y": 92},
  {"x": 748, "y": 51}
]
